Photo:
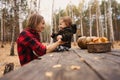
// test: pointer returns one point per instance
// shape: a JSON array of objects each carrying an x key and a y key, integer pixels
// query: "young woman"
[{"x": 29, "y": 46}]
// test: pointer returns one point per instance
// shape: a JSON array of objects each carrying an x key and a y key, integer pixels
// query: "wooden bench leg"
[{"x": 8, "y": 67}]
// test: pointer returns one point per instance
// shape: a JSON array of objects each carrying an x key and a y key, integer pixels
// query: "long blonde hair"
[{"x": 34, "y": 20}]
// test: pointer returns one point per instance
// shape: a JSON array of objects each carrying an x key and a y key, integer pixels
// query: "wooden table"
[{"x": 75, "y": 64}]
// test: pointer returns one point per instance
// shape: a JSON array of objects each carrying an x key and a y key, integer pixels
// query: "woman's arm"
[{"x": 52, "y": 46}]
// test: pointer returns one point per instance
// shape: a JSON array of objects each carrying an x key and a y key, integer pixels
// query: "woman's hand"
[
  {"x": 60, "y": 41},
  {"x": 52, "y": 47}
]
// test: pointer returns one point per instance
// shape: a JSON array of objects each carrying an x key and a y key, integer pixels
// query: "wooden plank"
[
  {"x": 50, "y": 60},
  {"x": 67, "y": 60},
  {"x": 108, "y": 69},
  {"x": 35, "y": 70},
  {"x": 110, "y": 57},
  {"x": 115, "y": 52}
]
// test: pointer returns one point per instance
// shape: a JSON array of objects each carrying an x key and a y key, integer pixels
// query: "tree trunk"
[
  {"x": 90, "y": 20},
  {"x": 72, "y": 14},
  {"x": 100, "y": 23},
  {"x": 38, "y": 5},
  {"x": 110, "y": 24},
  {"x": 55, "y": 24},
  {"x": 97, "y": 19},
  {"x": 81, "y": 17},
  {"x": 2, "y": 41},
  {"x": 51, "y": 40},
  {"x": 105, "y": 18},
  {"x": 13, "y": 42},
  {"x": 13, "y": 31},
  {"x": 81, "y": 24},
  {"x": 20, "y": 26},
  {"x": 59, "y": 19},
  {"x": 20, "y": 18},
  {"x": 97, "y": 24},
  {"x": 115, "y": 22}
]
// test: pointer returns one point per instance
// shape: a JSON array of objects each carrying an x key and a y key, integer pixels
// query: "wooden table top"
[{"x": 75, "y": 64}]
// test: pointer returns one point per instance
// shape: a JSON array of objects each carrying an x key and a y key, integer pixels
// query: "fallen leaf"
[
  {"x": 51, "y": 55},
  {"x": 49, "y": 74},
  {"x": 96, "y": 58},
  {"x": 57, "y": 66},
  {"x": 74, "y": 67},
  {"x": 82, "y": 59}
]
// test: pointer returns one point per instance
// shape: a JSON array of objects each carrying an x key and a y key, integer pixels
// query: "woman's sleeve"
[{"x": 35, "y": 45}]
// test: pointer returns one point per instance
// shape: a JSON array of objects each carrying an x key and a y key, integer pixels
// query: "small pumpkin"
[{"x": 82, "y": 42}]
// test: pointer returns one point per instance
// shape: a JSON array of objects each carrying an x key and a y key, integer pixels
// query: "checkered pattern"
[{"x": 28, "y": 42}]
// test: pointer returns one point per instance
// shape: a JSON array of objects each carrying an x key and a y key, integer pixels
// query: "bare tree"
[
  {"x": 90, "y": 19},
  {"x": 71, "y": 9},
  {"x": 2, "y": 46},
  {"x": 51, "y": 40},
  {"x": 100, "y": 21},
  {"x": 20, "y": 17},
  {"x": 14, "y": 26},
  {"x": 115, "y": 7},
  {"x": 97, "y": 18},
  {"x": 81, "y": 16},
  {"x": 105, "y": 18},
  {"x": 110, "y": 24},
  {"x": 38, "y": 5},
  {"x": 55, "y": 25}
]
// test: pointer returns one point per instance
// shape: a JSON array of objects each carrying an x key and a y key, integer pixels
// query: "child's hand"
[
  {"x": 59, "y": 37},
  {"x": 60, "y": 41}
]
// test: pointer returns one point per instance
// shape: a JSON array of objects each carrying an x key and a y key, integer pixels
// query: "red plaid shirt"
[{"x": 29, "y": 46}]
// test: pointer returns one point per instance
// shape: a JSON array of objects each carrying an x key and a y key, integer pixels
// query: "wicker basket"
[{"x": 99, "y": 47}]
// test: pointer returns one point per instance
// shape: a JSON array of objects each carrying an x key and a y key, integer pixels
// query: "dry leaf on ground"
[
  {"x": 74, "y": 67},
  {"x": 57, "y": 66},
  {"x": 98, "y": 58},
  {"x": 49, "y": 74},
  {"x": 82, "y": 59},
  {"x": 51, "y": 55}
]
